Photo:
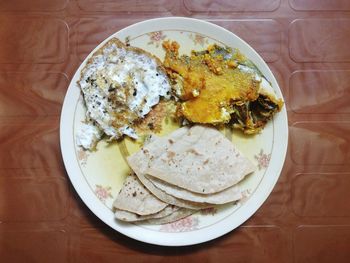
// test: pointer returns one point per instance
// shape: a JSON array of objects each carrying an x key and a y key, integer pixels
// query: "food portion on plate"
[
  {"x": 199, "y": 159},
  {"x": 219, "y": 85},
  {"x": 195, "y": 166},
  {"x": 136, "y": 203},
  {"x": 120, "y": 85}
]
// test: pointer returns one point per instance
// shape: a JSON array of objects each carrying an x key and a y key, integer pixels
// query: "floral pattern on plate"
[
  {"x": 198, "y": 39},
  {"x": 189, "y": 223},
  {"x": 82, "y": 155},
  {"x": 263, "y": 159},
  {"x": 103, "y": 192},
  {"x": 156, "y": 38}
]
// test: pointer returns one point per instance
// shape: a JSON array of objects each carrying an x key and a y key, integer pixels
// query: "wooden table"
[{"x": 306, "y": 44}]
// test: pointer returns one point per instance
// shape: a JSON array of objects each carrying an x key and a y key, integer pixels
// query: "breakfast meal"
[{"x": 194, "y": 166}]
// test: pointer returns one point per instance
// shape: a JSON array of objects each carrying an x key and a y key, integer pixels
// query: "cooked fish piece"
[
  {"x": 120, "y": 85},
  {"x": 135, "y": 198},
  {"x": 219, "y": 86}
]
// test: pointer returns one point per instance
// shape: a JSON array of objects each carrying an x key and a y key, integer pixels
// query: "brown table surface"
[{"x": 306, "y": 44}]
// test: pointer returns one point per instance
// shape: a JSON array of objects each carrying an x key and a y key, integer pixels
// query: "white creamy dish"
[{"x": 120, "y": 85}]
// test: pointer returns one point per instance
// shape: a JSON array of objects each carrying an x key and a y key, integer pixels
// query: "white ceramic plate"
[{"x": 98, "y": 176}]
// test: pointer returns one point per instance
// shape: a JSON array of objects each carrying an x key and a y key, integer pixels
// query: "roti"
[
  {"x": 199, "y": 159},
  {"x": 177, "y": 215},
  {"x": 135, "y": 198},
  {"x": 132, "y": 217},
  {"x": 138, "y": 165},
  {"x": 228, "y": 195}
]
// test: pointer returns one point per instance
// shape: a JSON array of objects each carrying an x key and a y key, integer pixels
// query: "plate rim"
[{"x": 176, "y": 238}]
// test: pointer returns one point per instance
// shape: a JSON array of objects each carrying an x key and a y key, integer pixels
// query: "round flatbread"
[
  {"x": 199, "y": 159},
  {"x": 138, "y": 163},
  {"x": 135, "y": 198},
  {"x": 228, "y": 195},
  {"x": 177, "y": 215},
  {"x": 132, "y": 217}
]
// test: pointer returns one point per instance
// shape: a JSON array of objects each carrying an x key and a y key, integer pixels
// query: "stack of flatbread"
[{"x": 174, "y": 176}]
